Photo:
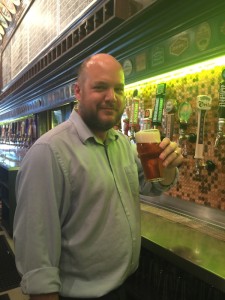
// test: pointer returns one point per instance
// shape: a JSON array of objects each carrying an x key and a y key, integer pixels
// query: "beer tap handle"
[
  {"x": 221, "y": 112},
  {"x": 134, "y": 114},
  {"x": 203, "y": 104},
  {"x": 219, "y": 135},
  {"x": 170, "y": 109},
  {"x": 159, "y": 105},
  {"x": 184, "y": 113}
]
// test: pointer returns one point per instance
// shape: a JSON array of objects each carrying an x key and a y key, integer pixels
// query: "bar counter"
[
  {"x": 190, "y": 236},
  {"x": 10, "y": 158}
]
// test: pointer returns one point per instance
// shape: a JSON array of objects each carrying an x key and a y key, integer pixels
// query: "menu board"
[
  {"x": 6, "y": 67},
  {"x": 19, "y": 51},
  {"x": 43, "y": 23}
]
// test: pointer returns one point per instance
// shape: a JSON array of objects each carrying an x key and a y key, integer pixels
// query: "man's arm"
[{"x": 52, "y": 296}]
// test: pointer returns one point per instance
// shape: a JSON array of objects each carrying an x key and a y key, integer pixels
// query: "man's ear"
[{"x": 77, "y": 90}]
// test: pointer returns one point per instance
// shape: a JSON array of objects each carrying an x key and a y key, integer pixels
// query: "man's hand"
[
  {"x": 52, "y": 296},
  {"x": 171, "y": 154},
  {"x": 172, "y": 158}
]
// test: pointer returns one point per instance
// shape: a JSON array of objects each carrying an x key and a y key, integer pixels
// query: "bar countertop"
[
  {"x": 11, "y": 156},
  {"x": 194, "y": 244}
]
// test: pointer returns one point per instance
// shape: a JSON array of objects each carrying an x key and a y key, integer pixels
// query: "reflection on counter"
[
  {"x": 11, "y": 156},
  {"x": 192, "y": 239},
  {"x": 181, "y": 259}
]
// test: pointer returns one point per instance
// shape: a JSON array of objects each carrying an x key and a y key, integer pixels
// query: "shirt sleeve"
[{"x": 40, "y": 186}]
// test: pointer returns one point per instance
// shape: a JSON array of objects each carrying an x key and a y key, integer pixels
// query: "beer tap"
[
  {"x": 184, "y": 114},
  {"x": 221, "y": 112},
  {"x": 3, "y": 133},
  {"x": 203, "y": 105},
  {"x": 22, "y": 140},
  {"x": 146, "y": 119},
  {"x": 134, "y": 115},
  {"x": 125, "y": 120},
  {"x": 220, "y": 135},
  {"x": 170, "y": 109},
  {"x": 18, "y": 135},
  {"x": 159, "y": 105}
]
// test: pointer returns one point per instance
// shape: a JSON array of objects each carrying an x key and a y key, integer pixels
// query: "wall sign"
[{"x": 127, "y": 67}]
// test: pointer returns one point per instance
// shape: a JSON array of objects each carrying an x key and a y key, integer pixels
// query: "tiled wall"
[{"x": 206, "y": 188}]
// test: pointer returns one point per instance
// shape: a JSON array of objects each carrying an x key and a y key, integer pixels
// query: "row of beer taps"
[
  {"x": 166, "y": 108},
  {"x": 19, "y": 133}
]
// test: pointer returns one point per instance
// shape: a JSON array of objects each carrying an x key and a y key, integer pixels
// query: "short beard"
[{"x": 97, "y": 125}]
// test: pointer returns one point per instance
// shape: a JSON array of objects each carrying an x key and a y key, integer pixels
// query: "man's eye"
[
  {"x": 99, "y": 87},
  {"x": 119, "y": 90}
]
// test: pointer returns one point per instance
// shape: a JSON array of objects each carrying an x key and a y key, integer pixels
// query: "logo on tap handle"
[{"x": 204, "y": 102}]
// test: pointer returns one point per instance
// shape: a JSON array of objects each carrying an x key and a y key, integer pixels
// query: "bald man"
[{"x": 77, "y": 222}]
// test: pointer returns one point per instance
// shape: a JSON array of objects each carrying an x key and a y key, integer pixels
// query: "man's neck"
[{"x": 100, "y": 135}]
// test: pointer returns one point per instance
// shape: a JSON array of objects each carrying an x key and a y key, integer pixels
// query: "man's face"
[{"x": 100, "y": 92}]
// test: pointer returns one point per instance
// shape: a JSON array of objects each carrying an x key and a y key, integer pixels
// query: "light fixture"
[
  {"x": 2, "y": 31},
  {"x": 5, "y": 12},
  {"x": 9, "y": 5},
  {"x": 3, "y": 21}
]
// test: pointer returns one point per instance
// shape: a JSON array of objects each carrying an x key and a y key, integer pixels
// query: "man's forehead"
[
  {"x": 109, "y": 82},
  {"x": 98, "y": 70}
]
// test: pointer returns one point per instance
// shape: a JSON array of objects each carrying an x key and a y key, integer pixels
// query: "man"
[{"x": 77, "y": 221}]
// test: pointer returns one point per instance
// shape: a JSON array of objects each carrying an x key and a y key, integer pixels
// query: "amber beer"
[{"x": 148, "y": 150}]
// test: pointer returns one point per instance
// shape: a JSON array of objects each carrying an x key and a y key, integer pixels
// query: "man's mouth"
[{"x": 110, "y": 108}]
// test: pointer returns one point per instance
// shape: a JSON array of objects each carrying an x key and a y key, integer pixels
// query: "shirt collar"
[{"x": 85, "y": 133}]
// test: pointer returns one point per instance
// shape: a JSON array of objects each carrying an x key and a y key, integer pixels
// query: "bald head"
[
  {"x": 100, "y": 93},
  {"x": 102, "y": 60}
]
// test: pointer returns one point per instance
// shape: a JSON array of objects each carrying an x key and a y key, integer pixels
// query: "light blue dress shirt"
[{"x": 77, "y": 221}]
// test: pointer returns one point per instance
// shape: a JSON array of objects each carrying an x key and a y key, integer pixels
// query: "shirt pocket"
[{"x": 131, "y": 172}]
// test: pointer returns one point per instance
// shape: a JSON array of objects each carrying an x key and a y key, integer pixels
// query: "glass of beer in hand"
[{"x": 148, "y": 150}]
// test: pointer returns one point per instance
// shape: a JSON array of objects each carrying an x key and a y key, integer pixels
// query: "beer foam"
[{"x": 148, "y": 136}]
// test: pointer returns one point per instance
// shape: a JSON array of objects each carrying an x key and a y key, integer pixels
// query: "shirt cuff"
[
  {"x": 164, "y": 188},
  {"x": 47, "y": 278}
]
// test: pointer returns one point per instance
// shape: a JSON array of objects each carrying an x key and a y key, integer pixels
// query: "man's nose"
[{"x": 111, "y": 95}]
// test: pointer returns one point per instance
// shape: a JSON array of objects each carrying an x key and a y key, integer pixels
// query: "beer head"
[{"x": 148, "y": 136}]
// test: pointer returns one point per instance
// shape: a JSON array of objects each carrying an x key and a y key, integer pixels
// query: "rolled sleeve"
[
  {"x": 37, "y": 221},
  {"x": 47, "y": 279}
]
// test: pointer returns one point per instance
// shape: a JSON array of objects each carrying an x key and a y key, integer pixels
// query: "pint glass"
[{"x": 148, "y": 150}]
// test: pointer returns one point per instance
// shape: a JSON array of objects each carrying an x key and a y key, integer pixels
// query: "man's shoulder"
[{"x": 61, "y": 132}]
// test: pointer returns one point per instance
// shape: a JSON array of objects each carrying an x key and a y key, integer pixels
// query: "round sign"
[
  {"x": 203, "y": 36},
  {"x": 127, "y": 67}
]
